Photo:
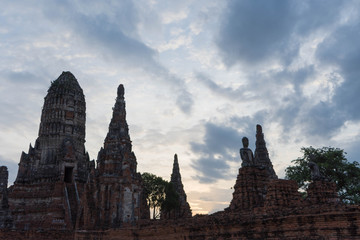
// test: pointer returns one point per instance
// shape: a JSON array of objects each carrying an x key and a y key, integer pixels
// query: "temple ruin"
[{"x": 59, "y": 193}]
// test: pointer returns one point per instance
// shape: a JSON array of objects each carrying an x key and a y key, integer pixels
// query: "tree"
[
  {"x": 334, "y": 166},
  {"x": 171, "y": 199},
  {"x": 154, "y": 189}
]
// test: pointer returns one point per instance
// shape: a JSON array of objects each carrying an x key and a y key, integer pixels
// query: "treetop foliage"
[{"x": 334, "y": 166}]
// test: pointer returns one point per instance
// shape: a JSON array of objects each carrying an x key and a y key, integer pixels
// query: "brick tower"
[
  {"x": 52, "y": 174},
  {"x": 183, "y": 210},
  {"x": 118, "y": 199},
  {"x": 261, "y": 153}
]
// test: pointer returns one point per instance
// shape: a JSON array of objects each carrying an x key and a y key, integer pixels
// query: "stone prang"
[
  {"x": 114, "y": 197},
  {"x": 183, "y": 210},
  {"x": 261, "y": 153},
  {"x": 52, "y": 174},
  {"x": 59, "y": 150}
]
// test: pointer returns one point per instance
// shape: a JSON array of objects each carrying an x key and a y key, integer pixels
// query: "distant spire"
[
  {"x": 184, "y": 208},
  {"x": 261, "y": 153},
  {"x": 118, "y": 127},
  {"x": 175, "y": 176},
  {"x": 120, "y": 91}
]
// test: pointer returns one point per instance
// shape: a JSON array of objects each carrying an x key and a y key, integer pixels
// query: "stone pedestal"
[{"x": 250, "y": 189}]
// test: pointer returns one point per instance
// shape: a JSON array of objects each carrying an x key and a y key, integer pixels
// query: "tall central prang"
[{"x": 53, "y": 173}]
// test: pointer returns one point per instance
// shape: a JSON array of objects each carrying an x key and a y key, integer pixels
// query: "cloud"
[
  {"x": 221, "y": 143},
  {"x": 285, "y": 47},
  {"x": 226, "y": 92},
  {"x": 248, "y": 24},
  {"x": 342, "y": 52},
  {"x": 110, "y": 31},
  {"x": 254, "y": 32}
]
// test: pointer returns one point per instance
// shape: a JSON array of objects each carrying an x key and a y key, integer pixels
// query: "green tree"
[
  {"x": 334, "y": 166},
  {"x": 154, "y": 189},
  {"x": 171, "y": 199}
]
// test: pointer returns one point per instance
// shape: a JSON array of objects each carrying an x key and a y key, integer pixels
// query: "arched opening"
[{"x": 68, "y": 174}]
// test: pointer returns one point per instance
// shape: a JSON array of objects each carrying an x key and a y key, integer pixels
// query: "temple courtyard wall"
[{"x": 329, "y": 225}]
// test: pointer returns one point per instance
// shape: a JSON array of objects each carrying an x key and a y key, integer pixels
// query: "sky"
[{"x": 198, "y": 76}]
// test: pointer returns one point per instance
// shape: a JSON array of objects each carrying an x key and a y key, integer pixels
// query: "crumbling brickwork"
[
  {"x": 6, "y": 220},
  {"x": 114, "y": 196}
]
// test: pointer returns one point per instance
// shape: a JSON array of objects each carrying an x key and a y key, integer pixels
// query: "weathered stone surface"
[
  {"x": 282, "y": 196},
  {"x": 261, "y": 153},
  {"x": 6, "y": 220},
  {"x": 183, "y": 211},
  {"x": 113, "y": 196},
  {"x": 322, "y": 192},
  {"x": 250, "y": 189},
  {"x": 53, "y": 172}
]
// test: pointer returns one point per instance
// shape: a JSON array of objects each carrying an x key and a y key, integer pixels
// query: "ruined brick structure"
[
  {"x": 113, "y": 195},
  {"x": 53, "y": 173},
  {"x": 58, "y": 187},
  {"x": 183, "y": 210},
  {"x": 6, "y": 221},
  {"x": 60, "y": 194},
  {"x": 261, "y": 153}
]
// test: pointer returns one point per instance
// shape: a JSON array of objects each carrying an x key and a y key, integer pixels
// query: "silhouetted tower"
[
  {"x": 183, "y": 210},
  {"x": 261, "y": 153},
  {"x": 120, "y": 186},
  {"x": 52, "y": 174}
]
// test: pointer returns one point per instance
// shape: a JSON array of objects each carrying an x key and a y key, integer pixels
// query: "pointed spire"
[
  {"x": 175, "y": 176},
  {"x": 261, "y": 153},
  {"x": 117, "y": 153},
  {"x": 184, "y": 207},
  {"x": 120, "y": 91},
  {"x": 118, "y": 128}
]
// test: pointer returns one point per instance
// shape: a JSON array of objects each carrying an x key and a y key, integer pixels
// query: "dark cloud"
[
  {"x": 342, "y": 51},
  {"x": 106, "y": 31},
  {"x": 252, "y": 32},
  {"x": 255, "y": 33},
  {"x": 227, "y": 92},
  {"x": 220, "y": 147},
  {"x": 322, "y": 120}
]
